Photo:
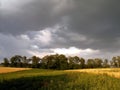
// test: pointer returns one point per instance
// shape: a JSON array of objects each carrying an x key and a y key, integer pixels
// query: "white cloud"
[
  {"x": 26, "y": 37},
  {"x": 35, "y": 47},
  {"x": 71, "y": 50},
  {"x": 27, "y": 44},
  {"x": 38, "y": 53},
  {"x": 44, "y": 36},
  {"x": 10, "y": 6},
  {"x": 24, "y": 45},
  {"x": 34, "y": 53},
  {"x": 75, "y": 51}
]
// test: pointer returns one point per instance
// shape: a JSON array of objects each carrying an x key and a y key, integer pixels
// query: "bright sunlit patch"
[
  {"x": 74, "y": 51},
  {"x": 37, "y": 53},
  {"x": 71, "y": 50}
]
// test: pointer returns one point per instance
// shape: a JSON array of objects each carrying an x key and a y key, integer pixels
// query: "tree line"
[{"x": 60, "y": 62}]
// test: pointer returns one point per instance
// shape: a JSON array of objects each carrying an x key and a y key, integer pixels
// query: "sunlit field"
[
  {"x": 40, "y": 79},
  {"x": 114, "y": 72},
  {"x": 9, "y": 69}
]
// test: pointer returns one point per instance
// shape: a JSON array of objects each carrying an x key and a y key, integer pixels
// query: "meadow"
[{"x": 41, "y": 79}]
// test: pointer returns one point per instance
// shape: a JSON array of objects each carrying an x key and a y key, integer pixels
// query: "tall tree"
[
  {"x": 55, "y": 61},
  {"x": 105, "y": 64},
  {"x": 82, "y": 63},
  {"x": 98, "y": 62},
  {"x": 48, "y": 61},
  {"x": 6, "y": 62},
  {"x": 74, "y": 62},
  {"x": 90, "y": 63},
  {"x": 16, "y": 61},
  {"x": 115, "y": 61},
  {"x": 62, "y": 62},
  {"x": 35, "y": 61},
  {"x": 71, "y": 62},
  {"x": 25, "y": 61}
]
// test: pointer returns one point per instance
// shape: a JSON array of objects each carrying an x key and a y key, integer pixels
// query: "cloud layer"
[{"x": 40, "y": 27}]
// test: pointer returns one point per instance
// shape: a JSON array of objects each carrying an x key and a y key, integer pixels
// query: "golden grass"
[
  {"x": 10, "y": 69},
  {"x": 114, "y": 72}
]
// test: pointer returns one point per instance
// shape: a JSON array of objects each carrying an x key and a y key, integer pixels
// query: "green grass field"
[{"x": 39, "y": 79}]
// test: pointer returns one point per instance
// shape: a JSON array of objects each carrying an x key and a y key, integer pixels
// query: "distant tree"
[
  {"x": 35, "y": 61},
  {"x": 75, "y": 62},
  {"x": 118, "y": 61},
  {"x": 48, "y": 61},
  {"x": 62, "y": 62},
  {"x": 82, "y": 63},
  {"x": 115, "y": 61},
  {"x": 90, "y": 63},
  {"x": 71, "y": 62},
  {"x": 6, "y": 62},
  {"x": 98, "y": 62},
  {"x": 25, "y": 61},
  {"x": 55, "y": 61},
  {"x": 16, "y": 61},
  {"x": 105, "y": 64}
]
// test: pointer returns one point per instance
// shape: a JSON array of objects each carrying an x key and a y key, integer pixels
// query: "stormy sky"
[{"x": 86, "y": 28}]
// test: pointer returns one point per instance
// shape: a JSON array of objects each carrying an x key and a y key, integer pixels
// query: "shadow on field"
[
  {"x": 67, "y": 81},
  {"x": 35, "y": 83}
]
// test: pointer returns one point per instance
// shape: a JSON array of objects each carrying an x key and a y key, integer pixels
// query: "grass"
[{"x": 39, "y": 79}]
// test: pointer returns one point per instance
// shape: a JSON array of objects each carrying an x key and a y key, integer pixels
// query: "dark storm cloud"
[
  {"x": 35, "y": 15},
  {"x": 96, "y": 17},
  {"x": 86, "y": 23}
]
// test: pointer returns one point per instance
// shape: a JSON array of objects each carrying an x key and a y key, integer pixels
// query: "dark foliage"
[{"x": 60, "y": 62}]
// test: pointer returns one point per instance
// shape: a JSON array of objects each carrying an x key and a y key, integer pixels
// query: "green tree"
[
  {"x": 25, "y": 61},
  {"x": 71, "y": 63},
  {"x": 62, "y": 62},
  {"x": 48, "y": 61},
  {"x": 55, "y": 61},
  {"x": 82, "y": 63},
  {"x": 90, "y": 63},
  {"x": 35, "y": 61},
  {"x": 6, "y": 62},
  {"x": 74, "y": 62},
  {"x": 98, "y": 62},
  {"x": 115, "y": 61},
  {"x": 105, "y": 64},
  {"x": 16, "y": 61}
]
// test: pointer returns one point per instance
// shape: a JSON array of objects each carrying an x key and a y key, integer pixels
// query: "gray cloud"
[
  {"x": 11, "y": 45},
  {"x": 34, "y": 15},
  {"x": 82, "y": 23}
]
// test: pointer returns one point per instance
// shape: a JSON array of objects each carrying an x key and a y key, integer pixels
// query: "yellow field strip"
[
  {"x": 114, "y": 72},
  {"x": 9, "y": 69}
]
